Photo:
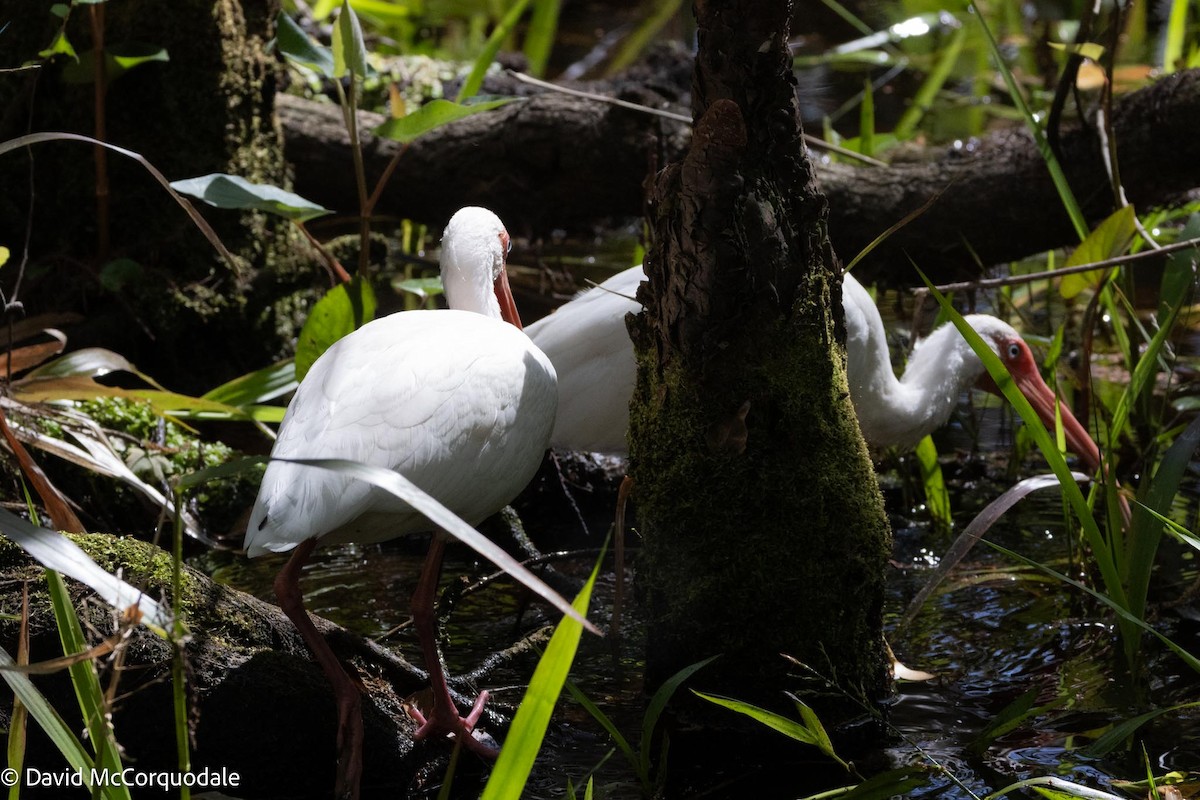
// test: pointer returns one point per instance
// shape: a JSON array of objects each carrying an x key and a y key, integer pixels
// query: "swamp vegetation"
[{"x": 1052, "y": 645}]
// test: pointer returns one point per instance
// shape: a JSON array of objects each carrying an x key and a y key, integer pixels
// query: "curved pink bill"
[
  {"x": 508, "y": 307},
  {"x": 1044, "y": 402}
]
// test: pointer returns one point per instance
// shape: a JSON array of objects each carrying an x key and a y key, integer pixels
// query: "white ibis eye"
[{"x": 1014, "y": 350}]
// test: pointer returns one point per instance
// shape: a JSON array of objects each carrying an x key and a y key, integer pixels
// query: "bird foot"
[{"x": 445, "y": 720}]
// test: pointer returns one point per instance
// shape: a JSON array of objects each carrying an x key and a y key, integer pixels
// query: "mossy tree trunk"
[{"x": 764, "y": 529}]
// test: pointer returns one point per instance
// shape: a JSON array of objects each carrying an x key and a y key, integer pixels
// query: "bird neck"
[
  {"x": 467, "y": 288},
  {"x": 907, "y": 409}
]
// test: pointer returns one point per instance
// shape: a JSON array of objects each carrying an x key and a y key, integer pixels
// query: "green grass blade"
[
  {"x": 1176, "y": 33},
  {"x": 937, "y": 498},
  {"x": 922, "y": 101},
  {"x": 528, "y": 728},
  {"x": 1122, "y": 612},
  {"x": 776, "y": 722},
  {"x": 1123, "y": 730},
  {"x": 658, "y": 704},
  {"x": 643, "y": 35},
  {"x": 1039, "y": 136},
  {"x": 611, "y": 729},
  {"x": 86, "y": 682},
  {"x": 866, "y": 120},
  {"x": 539, "y": 39},
  {"x": 474, "y": 80},
  {"x": 46, "y": 717}
]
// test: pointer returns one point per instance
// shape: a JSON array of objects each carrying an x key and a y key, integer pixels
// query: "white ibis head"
[{"x": 477, "y": 236}]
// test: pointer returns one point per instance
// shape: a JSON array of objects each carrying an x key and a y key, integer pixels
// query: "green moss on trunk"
[{"x": 763, "y": 525}]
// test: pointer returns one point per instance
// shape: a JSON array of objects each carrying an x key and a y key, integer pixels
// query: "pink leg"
[
  {"x": 345, "y": 692},
  {"x": 444, "y": 717}
]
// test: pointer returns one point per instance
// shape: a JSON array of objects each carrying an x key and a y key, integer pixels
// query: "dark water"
[{"x": 993, "y": 632}]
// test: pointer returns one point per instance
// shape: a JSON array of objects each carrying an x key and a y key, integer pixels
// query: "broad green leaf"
[
  {"x": 1111, "y": 238},
  {"x": 387, "y": 12},
  {"x": 294, "y": 45},
  {"x": 528, "y": 729},
  {"x": 347, "y": 307},
  {"x": 423, "y": 288},
  {"x": 432, "y": 115},
  {"x": 4, "y": 254},
  {"x": 234, "y": 192},
  {"x": 1089, "y": 50},
  {"x": 91, "y": 362},
  {"x": 260, "y": 386},
  {"x": 349, "y": 50}
]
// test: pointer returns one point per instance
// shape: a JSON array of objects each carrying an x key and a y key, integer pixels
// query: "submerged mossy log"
[{"x": 763, "y": 524}]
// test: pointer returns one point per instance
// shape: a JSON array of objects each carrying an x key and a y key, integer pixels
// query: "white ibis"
[
  {"x": 588, "y": 344},
  {"x": 460, "y": 402}
]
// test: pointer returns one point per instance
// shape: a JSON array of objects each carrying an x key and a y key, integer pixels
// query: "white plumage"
[{"x": 587, "y": 341}]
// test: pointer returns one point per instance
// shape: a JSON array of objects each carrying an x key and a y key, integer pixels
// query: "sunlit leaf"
[
  {"x": 3, "y": 256},
  {"x": 294, "y": 45},
  {"x": 539, "y": 35},
  {"x": 1089, "y": 50},
  {"x": 260, "y": 386},
  {"x": 432, "y": 115},
  {"x": 60, "y": 46},
  {"x": 234, "y": 192},
  {"x": 423, "y": 288},
  {"x": 800, "y": 731},
  {"x": 349, "y": 50},
  {"x": 343, "y": 309},
  {"x": 487, "y": 55},
  {"x": 1110, "y": 238}
]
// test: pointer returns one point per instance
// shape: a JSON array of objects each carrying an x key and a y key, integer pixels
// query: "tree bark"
[
  {"x": 763, "y": 525},
  {"x": 557, "y": 161}
]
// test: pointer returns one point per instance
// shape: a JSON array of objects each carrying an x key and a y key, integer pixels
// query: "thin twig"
[
  {"x": 1010, "y": 280},
  {"x": 813, "y": 141}
]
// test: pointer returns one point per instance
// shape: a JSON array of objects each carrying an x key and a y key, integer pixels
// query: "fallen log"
[{"x": 556, "y": 161}]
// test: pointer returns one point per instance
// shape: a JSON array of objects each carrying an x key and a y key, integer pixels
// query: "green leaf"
[
  {"x": 60, "y": 46},
  {"x": 937, "y": 498},
  {"x": 506, "y": 25},
  {"x": 118, "y": 59},
  {"x": 800, "y": 731},
  {"x": 234, "y": 192},
  {"x": 1123, "y": 730},
  {"x": 349, "y": 50},
  {"x": 432, "y": 115},
  {"x": 423, "y": 288},
  {"x": 525, "y": 736},
  {"x": 1089, "y": 50},
  {"x": 295, "y": 46},
  {"x": 1112, "y": 237},
  {"x": 260, "y": 386},
  {"x": 539, "y": 36},
  {"x": 46, "y": 717},
  {"x": 345, "y": 308},
  {"x": 86, "y": 682},
  {"x": 119, "y": 273}
]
